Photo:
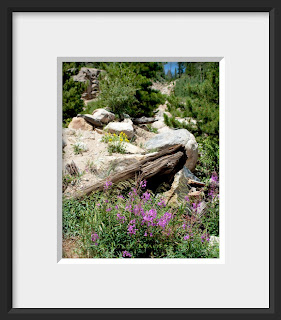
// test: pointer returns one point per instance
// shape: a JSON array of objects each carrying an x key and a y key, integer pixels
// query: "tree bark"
[{"x": 157, "y": 168}]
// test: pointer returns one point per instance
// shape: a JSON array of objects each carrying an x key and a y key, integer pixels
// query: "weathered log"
[
  {"x": 72, "y": 168},
  {"x": 194, "y": 183},
  {"x": 156, "y": 168}
]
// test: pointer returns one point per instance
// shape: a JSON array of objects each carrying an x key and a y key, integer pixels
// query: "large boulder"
[
  {"x": 80, "y": 123},
  {"x": 173, "y": 137},
  {"x": 118, "y": 127},
  {"x": 103, "y": 115}
]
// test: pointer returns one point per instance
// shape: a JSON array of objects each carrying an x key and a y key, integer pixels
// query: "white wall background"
[{"x": 243, "y": 280}]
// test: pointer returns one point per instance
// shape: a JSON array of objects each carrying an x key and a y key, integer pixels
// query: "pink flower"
[
  {"x": 107, "y": 185},
  {"x": 143, "y": 184},
  {"x": 126, "y": 254}
]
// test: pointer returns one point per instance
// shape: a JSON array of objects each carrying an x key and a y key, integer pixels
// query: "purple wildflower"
[
  {"x": 162, "y": 203},
  {"x": 126, "y": 254},
  {"x": 143, "y": 184},
  {"x": 132, "y": 227},
  {"x": 186, "y": 237},
  {"x": 107, "y": 185},
  {"x": 109, "y": 209},
  {"x": 138, "y": 210},
  {"x": 186, "y": 198},
  {"x": 128, "y": 207},
  {"x": 149, "y": 217},
  {"x": 116, "y": 207},
  {"x": 164, "y": 220},
  {"x": 94, "y": 238},
  {"x": 120, "y": 196},
  {"x": 121, "y": 218},
  {"x": 214, "y": 178},
  {"x": 146, "y": 196}
]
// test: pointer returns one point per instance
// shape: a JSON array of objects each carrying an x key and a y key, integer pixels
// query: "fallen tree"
[{"x": 155, "y": 169}]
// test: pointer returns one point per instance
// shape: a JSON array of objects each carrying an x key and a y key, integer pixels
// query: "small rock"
[
  {"x": 189, "y": 175},
  {"x": 159, "y": 124},
  {"x": 132, "y": 149},
  {"x": 195, "y": 194},
  {"x": 80, "y": 123}
]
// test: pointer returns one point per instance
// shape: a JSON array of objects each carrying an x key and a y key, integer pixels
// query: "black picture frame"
[{"x": 7, "y": 9}]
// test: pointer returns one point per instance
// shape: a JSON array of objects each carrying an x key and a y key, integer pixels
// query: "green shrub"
[
  {"x": 199, "y": 87},
  {"x": 71, "y": 98},
  {"x": 124, "y": 90},
  {"x": 208, "y": 161}
]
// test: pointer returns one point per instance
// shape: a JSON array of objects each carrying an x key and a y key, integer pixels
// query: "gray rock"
[
  {"x": 174, "y": 137},
  {"x": 188, "y": 174},
  {"x": 143, "y": 120},
  {"x": 118, "y": 127},
  {"x": 103, "y": 116},
  {"x": 90, "y": 119}
]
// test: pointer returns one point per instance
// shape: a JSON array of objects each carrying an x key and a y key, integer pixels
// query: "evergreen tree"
[{"x": 180, "y": 68}]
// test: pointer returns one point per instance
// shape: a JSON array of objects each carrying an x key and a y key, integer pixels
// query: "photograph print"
[{"x": 140, "y": 160}]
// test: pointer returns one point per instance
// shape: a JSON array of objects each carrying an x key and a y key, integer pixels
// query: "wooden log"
[
  {"x": 72, "y": 168},
  {"x": 194, "y": 183},
  {"x": 156, "y": 168}
]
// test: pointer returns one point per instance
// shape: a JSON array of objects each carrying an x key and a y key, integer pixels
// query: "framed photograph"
[{"x": 140, "y": 148}]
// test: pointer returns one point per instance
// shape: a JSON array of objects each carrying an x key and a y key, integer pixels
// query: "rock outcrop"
[
  {"x": 89, "y": 75},
  {"x": 174, "y": 137}
]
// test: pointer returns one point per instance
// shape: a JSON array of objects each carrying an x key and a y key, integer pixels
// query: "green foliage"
[
  {"x": 91, "y": 106},
  {"x": 151, "y": 129},
  {"x": 116, "y": 143},
  {"x": 139, "y": 224},
  {"x": 200, "y": 89},
  {"x": 208, "y": 157},
  {"x": 79, "y": 147},
  {"x": 172, "y": 122},
  {"x": 71, "y": 98},
  {"x": 125, "y": 89}
]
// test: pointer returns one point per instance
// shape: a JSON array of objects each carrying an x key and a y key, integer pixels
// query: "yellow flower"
[
  {"x": 110, "y": 139},
  {"x": 121, "y": 139},
  {"x": 127, "y": 140}
]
